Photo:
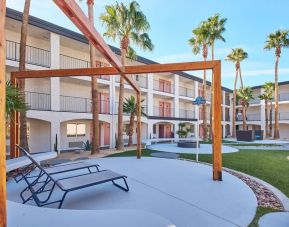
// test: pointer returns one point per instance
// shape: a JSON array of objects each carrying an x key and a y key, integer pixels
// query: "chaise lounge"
[{"x": 46, "y": 183}]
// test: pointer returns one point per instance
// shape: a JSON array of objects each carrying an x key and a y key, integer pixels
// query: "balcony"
[
  {"x": 284, "y": 97},
  {"x": 255, "y": 100},
  {"x": 163, "y": 86},
  {"x": 139, "y": 79},
  {"x": 187, "y": 114},
  {"x": 282, "y": 116},
  {"x": 186, "y": 92},
  {"x": 163, "y": 112},
  {"x": 67, "y": 62},
  {"x": 144, "y": 110},
  {"x": 38, "y": 101},
  {"x": 82, "y": 105},
  {"x": 34, "y": 55},
  {"x": 250, "y": 117}
]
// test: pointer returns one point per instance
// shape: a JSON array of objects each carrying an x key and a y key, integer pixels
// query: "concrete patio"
[{"x": 170, "y": 192}]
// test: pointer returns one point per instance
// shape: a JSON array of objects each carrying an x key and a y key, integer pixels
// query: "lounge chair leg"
[
  {"x": 62, "y": 200},
  {"x": 126, "y": 188}
]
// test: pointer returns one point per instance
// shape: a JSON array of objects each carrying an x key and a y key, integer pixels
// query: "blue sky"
[{"x": 249, "y": 22}]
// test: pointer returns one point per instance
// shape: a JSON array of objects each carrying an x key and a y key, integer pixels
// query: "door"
[
  {"x": 105, "y": 103},
  {"x": 167, "y": 86},
  {"x": 106, "y": 134},
  {"x": 99, "y": 103},
  {"x": 161, "y": 131},
  {"x": 167, "y": 109},
  {"x": 161, "y": 85},
  {"x": 161, "y": 109},
  {"x": 168, "y": 131}
]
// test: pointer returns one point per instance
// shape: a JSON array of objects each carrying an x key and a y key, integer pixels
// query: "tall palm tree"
[
  {"x": 236, "y": 56},
  {"x": 277, "y": 40},
  {"x": 22, "y": 61},
  {"x": 200, "y": 42},
  {"x": 126, "y": 24},
  {"x": 245, "y": 95},
  {"x": 94, "y": 88},
  {"x": 217, "y": 28},
  {"x": 130, "y": 107}
]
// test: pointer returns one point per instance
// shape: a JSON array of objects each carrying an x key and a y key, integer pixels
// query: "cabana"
[{"x": 77, "y": 16}]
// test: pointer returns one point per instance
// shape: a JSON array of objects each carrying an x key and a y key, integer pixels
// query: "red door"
[
  {"x": 161, "y": 131},
  {"x": 168, "y": 131},
  {"x": 167, "y": 86},
  {"x": 167, "y": 109},
  {"x": 105, "y": 103},
  {"x": 161, "y": 109},
  {"x": 161, "y": 85},
  {"x": 106, "y": 132},
  {"x": 99, "y": 103}
]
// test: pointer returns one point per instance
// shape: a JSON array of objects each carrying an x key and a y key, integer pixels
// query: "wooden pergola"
[{"x": 77, "y": 16}]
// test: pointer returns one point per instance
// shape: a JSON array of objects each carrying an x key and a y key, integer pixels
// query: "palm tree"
[
  {"x": 269, "y": 91},
  {"x": 14, "y": 101},
  {"x": 126, "y": 24},
  {"x": 130, "y": 107},
  {"x": 217, "y": 28},
  {"x": 245, "y": 95},
  {"x": 200, "y": 41},
  {"x": 236, "y": 56},
  {"x": 94, "y": 88},
  {"x": 22, "y": 61},
  {"x": 277, "y": 40}
]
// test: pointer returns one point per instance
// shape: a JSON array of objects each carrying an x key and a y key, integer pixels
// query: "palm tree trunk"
[
  {"x": 204, "y": 109},
  {"x": 94, "y": 89},
  {"x": 120, "y": 145},
  {"x": 234, "y": 105},
  {"x": 266, "y": 118},
  {"x": 244, "y": 118},
  {"x": 211, "y": 106},
  {"x": 271, "y": 118},
  {"x": 241, "y": 79},
  {"x": 276, "y": 125},
  {"x": 22, "y": 61},
  {"x": 131, "y": 127}
]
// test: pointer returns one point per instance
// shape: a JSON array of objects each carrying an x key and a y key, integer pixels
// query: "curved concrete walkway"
[
  {"x": 204, "y": 148},
  {"x": 180, "y": 191},
  {"x": 278, "y": 219}
]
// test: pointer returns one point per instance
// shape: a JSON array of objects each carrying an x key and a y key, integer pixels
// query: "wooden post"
[
  {"x": 217, "y": 128},
  {"x": 3, "y": 212},
  {"x": 139, "y": 125}
]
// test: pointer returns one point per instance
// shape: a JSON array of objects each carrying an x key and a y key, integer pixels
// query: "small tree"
[
  {"x": 130, "y": 107},
  {"x": 268, "y": 96},
  {"x": 245, "y": 95},
  {"x": 183, "y": 131}
]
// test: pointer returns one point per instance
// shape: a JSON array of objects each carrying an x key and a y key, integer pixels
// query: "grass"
[
  {"x": 271, "y": 166},
  {"x": 259, "y": 213}
]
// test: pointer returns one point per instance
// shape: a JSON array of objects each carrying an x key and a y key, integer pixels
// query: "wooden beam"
[
  {"x": 139, "y": 125},
  {"x": 3, "y": 212},
  {"x": 217, "y": 127},
  {"x": 72, "y": 10},
  {"x": 138, "y": 69}
]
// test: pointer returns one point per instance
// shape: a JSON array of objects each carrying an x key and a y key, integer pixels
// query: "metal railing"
[
  {"x": 115, "y": 110},
  {"x": 160, "y": 86},
  {"x": 38, "y": 101},
  {"x": 163, "y": 112},
  {"x": 82, "y": 105},
  {"x": 249, "y": 117},
  {"x": 188, "y": 114},
  {"x": 67, "y": 62},
  {"x": 256, "y": 100},
  {"x": 282, "y": 116},
  {"x": 187, "y": 92},
  {"x": 139, "y": 79},
  {"x": 34, "y": 55}
]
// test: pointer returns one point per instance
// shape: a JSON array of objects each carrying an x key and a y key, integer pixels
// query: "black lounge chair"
[{"x": 39, "y": 187}]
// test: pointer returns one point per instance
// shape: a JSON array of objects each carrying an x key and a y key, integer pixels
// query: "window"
[
  {"x": 76, "y": 129},
  {"x": 154, "y": 129}
]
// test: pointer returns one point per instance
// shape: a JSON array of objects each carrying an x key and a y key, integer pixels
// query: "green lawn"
[{"x": 270, "y": 166}]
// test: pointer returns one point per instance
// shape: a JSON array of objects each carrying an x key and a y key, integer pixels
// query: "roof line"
[{"x": 37, "y": 22}]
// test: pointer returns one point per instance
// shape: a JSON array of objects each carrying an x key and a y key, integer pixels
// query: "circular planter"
[{"x": 188, "y": 144}]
